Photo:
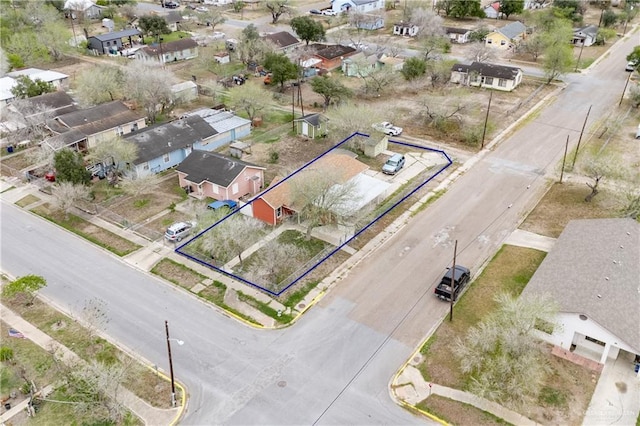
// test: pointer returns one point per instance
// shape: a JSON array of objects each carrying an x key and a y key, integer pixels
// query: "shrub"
[{"x": 6, "y": 353}]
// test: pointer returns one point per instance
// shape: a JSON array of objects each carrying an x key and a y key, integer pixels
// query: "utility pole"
[
  {"x": 293, "y": 110},
  {"x": 564, "y": 158},
  {"x": 173, "y": 383},
  {"x": 580, "y": 138},
  {"x": 579, "y": 56},
  {"x": 625, "y": 88},
  {"x": 486, "y": 119},
  {"x": 453, "y": 281}
]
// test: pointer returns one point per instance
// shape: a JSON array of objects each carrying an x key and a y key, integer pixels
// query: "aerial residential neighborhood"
[{"x": 332, "y": 212}]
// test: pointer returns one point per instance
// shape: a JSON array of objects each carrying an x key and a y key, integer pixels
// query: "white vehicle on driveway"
[{"x": 388, "y": 128}]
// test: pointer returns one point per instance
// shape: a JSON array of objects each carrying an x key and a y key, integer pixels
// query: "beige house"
[{"x": 507, "y": 37}]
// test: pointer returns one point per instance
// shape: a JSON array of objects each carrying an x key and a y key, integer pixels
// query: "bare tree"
[
  {"x": 379, "y": 81},
  {"x": 212, "y": 18},
  {"x": 100, "y": 84},
  {"x": 136, "y": 184},
  {"x": 66, "y": 195},
  {"x": 322, "y": 195},
  {"x": 232, "y": 237},
  {"x": 480, "y": 52},
  {"x": 94, "y": 317},
  {"x": 533, "y": 45},
  {"x": 277, "y": 8},
  {"x": 250, "y": 98},
  {"x": 505, "y": 360},
  {"x": 349, "y": 117},
  {"x": 30, "y": 118},
  {"x": 115, "y": 152},
  {"x": 429, "y": 23},
  {"x": 597, "y": 169},
  {"x": 153, "y": 91},
  {"x": 276, "y": 261}
]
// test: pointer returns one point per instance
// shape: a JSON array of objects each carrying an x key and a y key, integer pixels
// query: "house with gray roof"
[
  {"x": 508, "y": 36},
  {"x": 114, "y": 42},
  {"x": 229, "y": 127},
  {"x": 173, "y": 51},
  {"x": 593, "y": 273},
  {"x": 585, "y": 36},
  {"x": 312, "y": 125},
  {"x": 98, "y": 123},
  {"x": 166, "y": 145},
  {"x": 209, "y": 174},
  {"x": 360, "y": 6},
  {"x": 482, "y": 74}
]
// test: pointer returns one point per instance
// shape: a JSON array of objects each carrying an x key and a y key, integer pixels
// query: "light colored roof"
[
  {"x": 6, "y": 84},
  {"x": 310, "y": 62},
  {"x": 78, "y": 4},
  {"x": 35, "y": 73},
  {"x": 593, "y": 270},
  {"x": 365, "y": 189},
  {"x": 185, "y": 85},
  {"x": 115, "y": 35},
  {"x": 222, "y": 121}
]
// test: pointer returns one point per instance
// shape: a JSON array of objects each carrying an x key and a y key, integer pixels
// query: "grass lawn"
[
  {"x": 458, "y": 413},
  {"x": 565, "y": 202},
  {"x": 25, "y": 201},
  {"x": 166, "y": 38},
  {"x": 509, "y": 271},
  {"x": 178, "y": 273},
  {"x": 88, "y": 231}
]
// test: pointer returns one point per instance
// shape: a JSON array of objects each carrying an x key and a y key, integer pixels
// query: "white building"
[{"x": 593, "y": 273}]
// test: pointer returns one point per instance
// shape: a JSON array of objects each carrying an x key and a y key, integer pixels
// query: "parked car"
[
  {"x": 201, "y": 9},
  {"x": 239, "y": 80},
  {"x": 388, "y": 128},
  {"x": 631, "y": 66},
  {"x": 329, "y": 12},
  {"x": 171, "y": 5},
  {"x": 460, "y": 278},
  {"x": 179, "y": 230},
  {"x": 393, "y": 164},
  {"x": 219, "y": 204},
  {"x": 218, "y": 35},
  {"x": 315, "y": 12}
]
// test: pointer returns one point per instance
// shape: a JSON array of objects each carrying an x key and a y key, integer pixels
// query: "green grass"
[
  {"x": 455, "y": 412},
  {"x": 166, "y": 38},
  {"x": 282, "y": 318},
  {"x": 553, "y": 397},
  {"x": 25, "y": 201},
  {"x": 297, "y": 296},
  {"x": 140, "y": 203},
  {"x": 164, "y": 269},
  {"x": 215, "y": 294},
  {"x": 312, "y": 245},
  {"x": 74, "y": 223}
]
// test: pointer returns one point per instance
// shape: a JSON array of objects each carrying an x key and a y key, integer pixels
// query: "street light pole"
[{"x": 173, "y": 383}]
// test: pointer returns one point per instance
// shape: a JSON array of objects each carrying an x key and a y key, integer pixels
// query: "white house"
[
  {"x": 8, "y": 82},
  {"x": 405, "y": 29},
  {"x": 585, "y": 36},
  {"x": 360, "y": 6},
  {"x": 593, "y": 273},
  {"x": 482, "y": 74},
  {"x": 86, "y": 8}
]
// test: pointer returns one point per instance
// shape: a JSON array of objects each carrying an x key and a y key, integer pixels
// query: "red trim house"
[{"x": 275, "y": 203}]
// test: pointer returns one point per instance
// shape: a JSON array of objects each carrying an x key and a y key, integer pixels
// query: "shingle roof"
[
  {"x": 155, "y": 141},
  {"x": 172, "y": 46},
  {"x": 115, "y": 35},
  {"x": 222, "y": 121},
  {"x": 313, "y": 119},
  {"x": 58, "y": 101},
  {"x": 65, "y": 139},
  {"x": 96, "y": 119},
  {"x": 591, "y": 30},
  {"x": 488, "y": 70},
  {"x": 202, "y": 166},
  {"x": 282, "y": 39},
  {"x": 335, "y": 51},
  {"x": 342, "y": 166},
  {"x": 512, "y": 30},
  {"x": 456, "y": 30},
  {"x": 594, "y": 269}
]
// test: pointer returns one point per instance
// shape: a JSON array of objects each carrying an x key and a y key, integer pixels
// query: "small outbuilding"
[
  {"x": 405, "y": 29},
  {"x": 312, "y": 125}
]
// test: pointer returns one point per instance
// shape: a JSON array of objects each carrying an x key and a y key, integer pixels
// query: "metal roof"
[{"x": 116, "y": 35}]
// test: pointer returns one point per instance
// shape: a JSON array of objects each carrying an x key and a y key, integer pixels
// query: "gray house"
[
  {"x": 482, "y": 74},
  {"x": 585, "y": 36},
  {"x": 311, "y": 125},
  {"x": 113, "y": 42}
]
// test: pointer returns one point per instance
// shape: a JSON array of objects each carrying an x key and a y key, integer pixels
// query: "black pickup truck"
[{"x": 461, "y": 278}]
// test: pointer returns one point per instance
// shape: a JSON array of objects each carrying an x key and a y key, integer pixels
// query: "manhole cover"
[
  {"x": 302, "y": 306},
  {"x": 282, "y": 384}
]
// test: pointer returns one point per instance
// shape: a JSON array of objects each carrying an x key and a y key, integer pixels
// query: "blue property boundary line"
[{"x": 336, "y": 249}]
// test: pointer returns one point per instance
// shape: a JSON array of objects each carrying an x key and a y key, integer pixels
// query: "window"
[
  {"x": 279, "y": 212},
  {"x": 234, "y": 188},
  {"x": 134, "y": 127},
  {"x": 503, "y": 42},
  {"x": 583, "y": 317},
  {"x": 502, "y": 82},
  {"x": 166, "y": 158},
  {"x": 489, "y": 41},
  {"x": 488, "y": 80},
  {"x": 145, "y": 166},
  {"x": 120, "y": 131},
  {"x": 596, "y": 341}
]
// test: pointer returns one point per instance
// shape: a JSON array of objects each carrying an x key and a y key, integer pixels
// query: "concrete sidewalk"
[
  {"x": 528, "y": 239},
  {"x": 149, "y": 415}
]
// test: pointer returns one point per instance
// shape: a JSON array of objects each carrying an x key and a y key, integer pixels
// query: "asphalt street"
[{"x": 334, "y": 365}]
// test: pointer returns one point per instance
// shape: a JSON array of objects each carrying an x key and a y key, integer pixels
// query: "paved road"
[{"x": 333, "y": 367}]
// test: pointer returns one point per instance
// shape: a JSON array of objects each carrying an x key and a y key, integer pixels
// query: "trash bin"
[
  {"x": 7, "y": 406},
  {"x": 10, "y": 149}
]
